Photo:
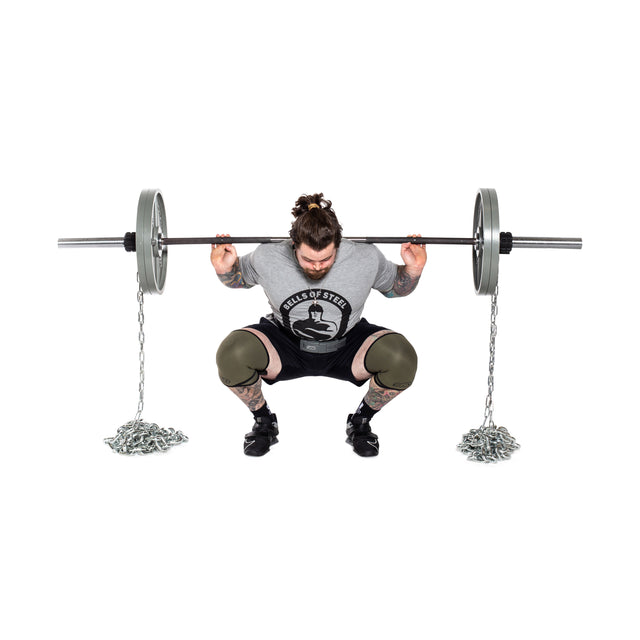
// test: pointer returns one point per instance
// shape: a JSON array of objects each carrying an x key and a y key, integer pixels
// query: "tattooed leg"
[
  {"x": 251, "y": 395},
  {"x": 377, "y": 397}
]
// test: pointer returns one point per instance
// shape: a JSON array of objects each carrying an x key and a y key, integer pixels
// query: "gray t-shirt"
[{"x": 318, "y": 309}]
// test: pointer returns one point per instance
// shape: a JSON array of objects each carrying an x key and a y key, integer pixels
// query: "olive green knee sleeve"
[
  {"x": 393, "y": 361},
  {"x": 241, "y": 358}
]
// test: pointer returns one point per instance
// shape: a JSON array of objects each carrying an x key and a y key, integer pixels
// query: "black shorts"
[{"x": 299, "y": 364}]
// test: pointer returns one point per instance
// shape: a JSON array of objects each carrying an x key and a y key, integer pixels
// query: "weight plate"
[
  {"x": 151, "y": 227},
  {"x": 486, "y": 231}
]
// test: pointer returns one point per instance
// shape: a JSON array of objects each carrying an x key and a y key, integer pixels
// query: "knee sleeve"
[
  {"x": 241, "y": 358},
  {"x": 392, "y": 361}
]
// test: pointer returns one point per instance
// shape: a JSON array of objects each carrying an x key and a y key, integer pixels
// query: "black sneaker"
[
  {"x": 359, "y": 435},
  {"x": 258, "y": 441}
]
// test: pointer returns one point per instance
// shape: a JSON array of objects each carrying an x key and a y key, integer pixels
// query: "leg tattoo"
[
  {"x": 251, "y": 395},
  {"x": 378, "y": 396}
]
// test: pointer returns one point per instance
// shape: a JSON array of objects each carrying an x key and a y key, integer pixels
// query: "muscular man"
[{"x": 317, "y": 285}]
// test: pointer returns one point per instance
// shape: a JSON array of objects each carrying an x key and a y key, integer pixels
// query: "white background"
[{"x": 398, "y": 112}]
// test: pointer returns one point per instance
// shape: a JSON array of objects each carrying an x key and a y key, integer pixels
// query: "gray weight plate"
[
  {"x": 151, "y": 226},
  {"x": 486, "y": 253}
]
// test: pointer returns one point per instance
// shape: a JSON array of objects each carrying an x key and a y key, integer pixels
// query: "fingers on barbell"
[
  {"x": 417, "y": 235},
  {"x": 221, "y": 235}
]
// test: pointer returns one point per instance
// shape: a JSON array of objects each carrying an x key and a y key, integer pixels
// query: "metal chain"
[
  {"x": 489, "y": 443},
  {"x": 136, "y": 436},
  {"x": 141, "y": 354},
  {"x": 488, "y": 406}
]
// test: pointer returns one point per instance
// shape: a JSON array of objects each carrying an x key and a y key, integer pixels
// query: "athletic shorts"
[{"x": 300, "y": 364}]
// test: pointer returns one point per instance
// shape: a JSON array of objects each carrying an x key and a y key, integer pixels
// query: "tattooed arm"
[
  {"x": 404, "y": 284},
  {"x": 414, "y": 257},
  {"x": 227, "y": 265},
  {"x": 233, "y": 279}
]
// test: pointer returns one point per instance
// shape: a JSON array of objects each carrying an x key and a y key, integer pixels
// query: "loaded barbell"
[{"x": 151, "y": 244}]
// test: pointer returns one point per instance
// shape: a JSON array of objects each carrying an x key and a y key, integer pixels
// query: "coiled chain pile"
[
  {"x": 488, "y": 444},
  {"x": 144, "y": 437}
]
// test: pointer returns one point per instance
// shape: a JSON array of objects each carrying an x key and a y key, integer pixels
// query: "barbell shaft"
[
  {"x": 519, "y": 243},
  {"x": 368, "y": 240}
]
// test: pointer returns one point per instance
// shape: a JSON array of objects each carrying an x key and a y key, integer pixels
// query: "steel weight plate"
[
  {"x": 151, "y": 227},
  {"x": 486, "y": 252}
]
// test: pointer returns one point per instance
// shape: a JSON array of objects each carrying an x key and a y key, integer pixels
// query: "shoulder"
[
  {"x": 361, "y": 251},
  {"x": 274, "y": 252}
]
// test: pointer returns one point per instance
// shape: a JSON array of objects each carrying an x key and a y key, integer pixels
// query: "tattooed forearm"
[
  {"x": 404, "y": 284},
  {"x": 233, "y": 278}
]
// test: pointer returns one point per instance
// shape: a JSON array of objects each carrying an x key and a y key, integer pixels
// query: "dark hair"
[{"x": 316, "y": 226}]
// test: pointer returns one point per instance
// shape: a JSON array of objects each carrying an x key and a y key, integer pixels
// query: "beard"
[{"x": 316, "y": 275}]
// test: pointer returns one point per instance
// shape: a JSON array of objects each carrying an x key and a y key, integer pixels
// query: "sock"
[
  {"x": 262, "y": 412},
  {"x": 366, "y": 411}
]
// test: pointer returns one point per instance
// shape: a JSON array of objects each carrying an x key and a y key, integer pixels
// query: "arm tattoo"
[
  {"x": 233, "y": 278},
  {"x": 404, "y": 284}
]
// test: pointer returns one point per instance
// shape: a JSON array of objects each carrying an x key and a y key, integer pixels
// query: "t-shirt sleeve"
[
  {"x": 386, "y": 274},
  {"x": 248, "y": 269}
]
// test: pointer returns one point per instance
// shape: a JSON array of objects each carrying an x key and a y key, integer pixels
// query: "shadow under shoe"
[
  {"x": 258, "y": 441},
  {"x": 359, "y": 436}
]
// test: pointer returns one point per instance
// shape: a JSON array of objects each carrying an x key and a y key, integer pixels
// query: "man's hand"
[
  {"x": 223, "y": 256},
  {"x": 414, "y": 256}
]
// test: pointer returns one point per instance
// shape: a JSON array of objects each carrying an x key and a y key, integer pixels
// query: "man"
[{"x": 317, "y": 279}]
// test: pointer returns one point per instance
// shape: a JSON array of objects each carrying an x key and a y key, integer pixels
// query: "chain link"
[
  {"x": 136, "y": 436},
  {"x": 489, "y": 443}
]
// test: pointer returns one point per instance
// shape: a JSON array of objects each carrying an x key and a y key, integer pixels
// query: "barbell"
[{"x": 151, "y": 244}]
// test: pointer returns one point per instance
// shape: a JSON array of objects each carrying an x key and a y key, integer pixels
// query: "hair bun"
[{"x": 307, "y": 203}]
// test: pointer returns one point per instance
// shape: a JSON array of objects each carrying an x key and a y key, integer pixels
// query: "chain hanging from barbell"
[
  {"x": 489, "y": 443},
  {"x": 137, "y": 436}
]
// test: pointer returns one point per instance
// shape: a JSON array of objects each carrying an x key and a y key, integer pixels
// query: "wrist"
[
  {"x": 413, "y": 272},
  {"x": 225, "y": 269}
]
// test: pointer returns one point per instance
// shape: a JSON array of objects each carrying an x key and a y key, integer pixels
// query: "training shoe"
[
  {"x": 359, "y": 436},
  {"x": 258, "y": 441}
]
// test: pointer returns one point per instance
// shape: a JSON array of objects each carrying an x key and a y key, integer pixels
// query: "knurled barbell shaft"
[
  {"x": 518, "y": 242},
  {"x": 368, "y": 240}
]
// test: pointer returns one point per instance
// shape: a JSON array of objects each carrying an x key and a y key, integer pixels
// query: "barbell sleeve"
[
  {"x": 547, "y": 243},
  {"x": 90, "y": 242}
]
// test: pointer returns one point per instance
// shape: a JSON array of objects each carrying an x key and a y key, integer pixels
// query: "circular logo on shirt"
[{"x": 316, "y": 314}]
